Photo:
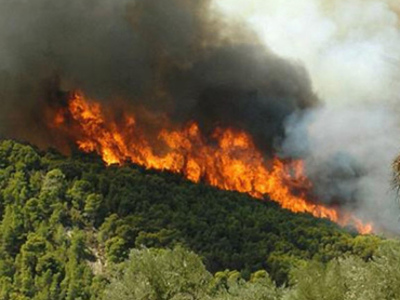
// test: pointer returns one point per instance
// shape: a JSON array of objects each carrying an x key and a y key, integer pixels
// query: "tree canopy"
[{"x": 67, "y": 222}]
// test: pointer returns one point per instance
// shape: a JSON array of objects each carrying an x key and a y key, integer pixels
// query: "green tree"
[{"x": 160, "y": 275}]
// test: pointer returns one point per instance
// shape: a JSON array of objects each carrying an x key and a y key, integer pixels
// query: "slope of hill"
[{"x": 66, "y": 221}]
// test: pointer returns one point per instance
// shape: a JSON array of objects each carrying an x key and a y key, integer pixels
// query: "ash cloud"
[
  {"x": 351, "y": 50},
  {"x": 174, "y": 57}
]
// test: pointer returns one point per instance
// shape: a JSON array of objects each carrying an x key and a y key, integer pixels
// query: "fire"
[{"x": 230, "y": 162}]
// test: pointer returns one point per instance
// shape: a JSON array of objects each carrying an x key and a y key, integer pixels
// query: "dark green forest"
[{"x": 72, "y": 228}]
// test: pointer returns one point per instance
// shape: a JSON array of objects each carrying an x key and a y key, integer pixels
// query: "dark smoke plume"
[{"x": 175, "y": 57}]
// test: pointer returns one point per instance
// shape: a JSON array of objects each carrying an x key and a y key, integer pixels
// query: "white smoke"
[{"x": 351, "y": 49}]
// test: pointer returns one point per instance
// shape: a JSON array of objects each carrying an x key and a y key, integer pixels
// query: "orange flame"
[{"x": 232, "y": 162}]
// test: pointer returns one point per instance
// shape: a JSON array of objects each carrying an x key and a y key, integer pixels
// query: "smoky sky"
[
  {"x": 351, "y": 50},
  {"x": 185, "y": 60},
  {"x": 178, "y": 57}
]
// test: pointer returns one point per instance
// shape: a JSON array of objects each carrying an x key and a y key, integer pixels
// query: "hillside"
[{"x": 67, "y": 221}]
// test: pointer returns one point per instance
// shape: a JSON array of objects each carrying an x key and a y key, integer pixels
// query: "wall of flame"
[{"x": 228, "y": 159}]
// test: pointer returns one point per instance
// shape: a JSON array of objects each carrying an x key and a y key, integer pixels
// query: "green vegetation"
[
  {"x": 179, "y": 274},
  {"x": 68, "y": 225}
]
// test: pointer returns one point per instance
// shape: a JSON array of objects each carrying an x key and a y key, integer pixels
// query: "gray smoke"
[
  {"x": 348, "y": 154},
  {"x": 172, "y": 57},
  {"x": 210, "y": 61},
  {"x": 351, "y": 49}
]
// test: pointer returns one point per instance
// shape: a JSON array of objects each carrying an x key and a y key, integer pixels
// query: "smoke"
[
  {"x": 173, "y": 57},
  {"x": 257, "y": 65},
  {"x": 351, "y": 50}
]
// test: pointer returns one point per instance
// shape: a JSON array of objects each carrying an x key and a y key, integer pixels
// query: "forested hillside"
[{"x": 68, "y": 222}]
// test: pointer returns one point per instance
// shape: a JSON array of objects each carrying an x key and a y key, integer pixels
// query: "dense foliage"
[
  {"x": 66, "y": 222},
  {"x": 181, "y": 275}
]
